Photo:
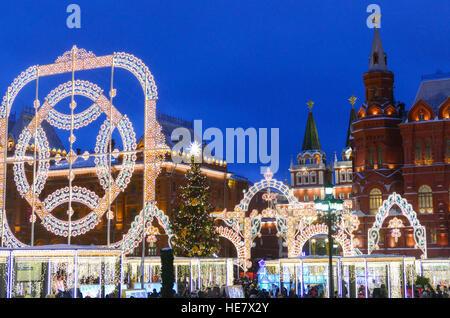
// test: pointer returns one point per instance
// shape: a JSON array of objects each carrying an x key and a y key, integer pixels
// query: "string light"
[
  {"x": 408, "y": 212},
  {"x": 154, "y": 146},
  {"x": 293, "y": 222}
]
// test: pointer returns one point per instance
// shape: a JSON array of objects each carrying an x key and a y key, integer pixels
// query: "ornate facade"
[{"x": 405, "y": 152}]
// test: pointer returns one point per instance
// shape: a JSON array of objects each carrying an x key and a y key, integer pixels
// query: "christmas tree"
[{"x": 193, "y": 227}]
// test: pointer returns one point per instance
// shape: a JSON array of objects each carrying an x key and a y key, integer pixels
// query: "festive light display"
[
  {"x": 395, "y": 224},
  {"x": 408, "y": 212},
  {"x": 294, "y": 222},
  {"x": 316, "y": 229},
  {"x": 154, "y": 148}
]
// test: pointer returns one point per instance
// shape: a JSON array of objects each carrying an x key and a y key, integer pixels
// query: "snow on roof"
[{"x": 434, "y": 90}]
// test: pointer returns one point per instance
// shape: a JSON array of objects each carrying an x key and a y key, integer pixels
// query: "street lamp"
[{"x": 328, "y": 213}]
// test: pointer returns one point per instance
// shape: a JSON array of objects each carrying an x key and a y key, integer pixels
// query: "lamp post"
[{"x": 327, "y": 211}]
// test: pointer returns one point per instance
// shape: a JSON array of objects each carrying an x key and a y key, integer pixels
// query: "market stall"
[
  {"x": 354, "y": 277},
  {"x": 62, "y": 271},
  {"x": 190, "y": 273}
]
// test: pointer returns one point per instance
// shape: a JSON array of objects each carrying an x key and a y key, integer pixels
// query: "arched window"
[
  {"x": 375, "y": 58},
  {"x": 421, "y": 114},
  {"x": 317, "y": 158},
  {"x": 299, "y": 178},
  {"x": 312, "y": 177},
  {"x": 306, "y": 198},
  {"x": 349, "y": 175},
  {"x": 343, "y": 176},
  {"x": 307, "y": 159},
  {"x": 375, "y": 200},
  {"x": 425, "y": 199},
  {"x": 306, "y": 178}
]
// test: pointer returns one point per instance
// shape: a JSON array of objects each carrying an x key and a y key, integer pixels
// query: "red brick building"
[{"x": 403, "y": 152}]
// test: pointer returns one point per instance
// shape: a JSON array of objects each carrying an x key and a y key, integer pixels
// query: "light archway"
[
  {"x": 317, "y": 229},
  {"x": 265, "y": 183},
  {"x": 408, "y": 212}
]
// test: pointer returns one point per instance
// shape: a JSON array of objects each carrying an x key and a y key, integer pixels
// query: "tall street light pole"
[{"x": 327, "y": 211}]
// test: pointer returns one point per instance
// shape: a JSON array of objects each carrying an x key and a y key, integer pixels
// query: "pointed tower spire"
[
  {"x": 352, "y": 118},
  {"x": 311, "y": 138},
  {"x": 291, "y": 166},
  {"x": 378, "y": 59}
]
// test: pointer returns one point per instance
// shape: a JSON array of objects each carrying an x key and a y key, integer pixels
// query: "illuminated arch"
[
  {"x": 267, "y": 182},
  {"x": 374, "y": 110},
  {"x": 390, "y": 110},
  {"x": 444, "y": 109},
  {"x": 238, "y": 243},
  {"x": 408, "y": 212},
  {"x": 361, "y": 113},
  {"x": 420, "y": 107},
  {"x": 320, "y": 228}
]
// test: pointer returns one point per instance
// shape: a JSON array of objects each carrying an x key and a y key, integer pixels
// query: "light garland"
[
  {"x": 408, "y": 212},
  {"x": 293, "y": 222},
  {"x": 395, "y": 224},
  {"x": 78, "y": 60},
  {"x": 79, "y": 194}
]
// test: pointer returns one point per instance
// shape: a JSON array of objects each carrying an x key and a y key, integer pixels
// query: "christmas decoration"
[
  {"x": 78, "y": 60},
  {"x": 194, "y": 229}
]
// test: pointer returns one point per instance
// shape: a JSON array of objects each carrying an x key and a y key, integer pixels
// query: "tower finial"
[
  {"x": 310, "y": 104},
  {"x": 352, "y": 100},
  {"x": 376, "y": 19}
]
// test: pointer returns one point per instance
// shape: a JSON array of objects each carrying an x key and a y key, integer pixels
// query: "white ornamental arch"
[
  {"x": 320, "y": 228},
  {"x": 266, "y": 183},
  {"x": 408, "y": 212}
]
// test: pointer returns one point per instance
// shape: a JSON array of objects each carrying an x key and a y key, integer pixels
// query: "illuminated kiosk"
[
  {"x": 190, "y": 273},
  {"x": 80, "y": 271},
  {"x": 359, "y": 276}
]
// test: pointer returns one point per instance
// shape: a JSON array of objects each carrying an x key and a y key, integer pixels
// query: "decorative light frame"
[
  {"x": 407, "y": 210},
  {"x": 293, "y": 223},
  {"x": 154, "y": 145}
]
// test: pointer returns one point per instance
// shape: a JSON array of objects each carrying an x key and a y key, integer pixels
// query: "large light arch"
[
  {"x": 154, "y": 145},
  {"x": 293, "y": 223},
  {"x": 408, "y": 212}
]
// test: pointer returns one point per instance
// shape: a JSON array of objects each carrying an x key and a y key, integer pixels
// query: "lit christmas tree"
[{"x": 195, "y": 235}]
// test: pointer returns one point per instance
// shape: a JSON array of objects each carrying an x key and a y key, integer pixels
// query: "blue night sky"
[{"x": 236, "y": 63}]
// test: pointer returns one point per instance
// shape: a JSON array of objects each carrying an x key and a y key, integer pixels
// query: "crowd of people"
[
  {"x": 441, "y": 291},
  {"x": 251, "y": 289}
]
